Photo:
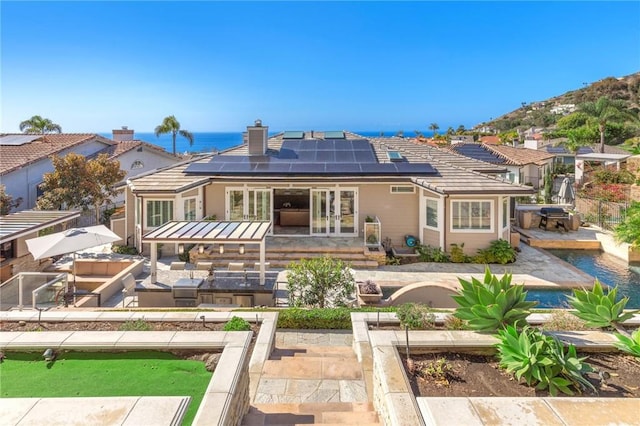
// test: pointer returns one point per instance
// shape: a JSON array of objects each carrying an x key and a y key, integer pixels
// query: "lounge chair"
[
  {"x": 129, "y": 290},
  {"x": 236, "y": 266}
]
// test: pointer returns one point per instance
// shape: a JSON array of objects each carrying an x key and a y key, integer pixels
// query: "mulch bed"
[
  {"x": 113, "y": 326},
  {"x": 479, "y": 375}
]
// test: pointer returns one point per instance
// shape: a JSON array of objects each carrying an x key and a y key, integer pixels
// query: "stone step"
[
  {"x": 284, "y": 263},
  {"x": 313, "y": 367},
  {"x": 330, "y": 413},
  {"x": 313, "y": 351}
]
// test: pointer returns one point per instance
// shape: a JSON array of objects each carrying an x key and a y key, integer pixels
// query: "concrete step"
[
  {"x": 313, "y": 367},
  {"x": 331, "y": 413},
  {"x": 313, "y": 351}
]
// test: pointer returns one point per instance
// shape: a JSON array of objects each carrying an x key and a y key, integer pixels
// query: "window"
[
  {"x": 403, "y": 189},
  {"x": 159, "y": 212},
  {"x": 432, "y": 213},
  {"x": 8, "y": 250},
  {"x": 505, "y": 212},
  {"x": 471, "y": 215},
  {"x": 190, "y": 209},
  {"x": 137, "y": 165}
]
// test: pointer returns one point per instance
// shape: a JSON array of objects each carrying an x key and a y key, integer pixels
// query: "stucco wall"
[{"x": 472, "y": 240}]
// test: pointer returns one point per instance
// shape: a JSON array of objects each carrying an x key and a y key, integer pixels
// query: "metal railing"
[{"x": 605, "y": 214}]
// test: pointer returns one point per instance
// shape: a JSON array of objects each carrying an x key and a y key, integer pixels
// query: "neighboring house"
[
  {"x": 24, "y": 159},
  {"x": 324, "y": 184},
  {"x": 563, "y": 109},
  {"x": 462, "y": 139},
  {"x": 565, "y": 157},
  {"x": 490, "y": 140},
  {"x": 525, "y": 166},
  {"x": 15, "y": 229}
]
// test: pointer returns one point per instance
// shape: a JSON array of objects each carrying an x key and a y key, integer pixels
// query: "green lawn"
[{"x": 140, "y": 373}]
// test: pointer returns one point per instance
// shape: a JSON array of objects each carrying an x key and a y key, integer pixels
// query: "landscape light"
[
  {"x": 49, "y": 355},
  {"x": 180, "y": 248}
]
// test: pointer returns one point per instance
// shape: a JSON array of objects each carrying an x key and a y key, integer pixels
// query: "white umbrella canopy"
[
  {"x": 70, "y": 241},
  {"x": 565, "y": 195}
]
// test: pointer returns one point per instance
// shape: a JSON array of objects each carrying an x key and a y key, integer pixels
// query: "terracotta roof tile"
[
  {"x": 520, "y": 156},
  {"x": 13, "y": 157}
]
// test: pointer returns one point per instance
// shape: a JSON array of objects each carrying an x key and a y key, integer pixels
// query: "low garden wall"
[{"x": 105, "y": 278}]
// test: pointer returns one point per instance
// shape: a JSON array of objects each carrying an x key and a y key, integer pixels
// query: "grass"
[{"x": 87, "y": 374}]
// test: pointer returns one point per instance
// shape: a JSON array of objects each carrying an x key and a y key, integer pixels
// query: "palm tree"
[
  {"x": 434, "y": 128},
  {"x": 605, "y": 110},
  {"x": 172, "y": 125},
  {"x": 39, "y": 125}
]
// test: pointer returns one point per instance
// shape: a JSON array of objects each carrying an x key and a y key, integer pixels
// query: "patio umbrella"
[
  {"x": 70, "y": 241},
  {"x": 565, "y": 195}
]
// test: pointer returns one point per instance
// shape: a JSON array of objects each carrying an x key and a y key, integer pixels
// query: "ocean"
[{"x": 212, "y": 141}]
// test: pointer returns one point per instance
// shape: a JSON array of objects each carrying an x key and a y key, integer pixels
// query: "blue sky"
[{"x": 217, "y": 66}]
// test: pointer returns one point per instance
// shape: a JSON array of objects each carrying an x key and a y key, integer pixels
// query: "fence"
[
  {"x": 605, "y": 214},
  {"x": 31, "y": 289}
]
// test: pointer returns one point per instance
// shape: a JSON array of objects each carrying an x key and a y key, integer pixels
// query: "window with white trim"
[
  {"x": 472, "y": 215},
  {"x": 431, "y": 212},
  {"x": 403, "y": 189},
  {"x": 159, "y": 212},
  {"x": 505, "y": 212},
  {"x": 190, "y": 209}
]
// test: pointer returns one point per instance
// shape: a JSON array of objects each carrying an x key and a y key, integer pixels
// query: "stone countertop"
[{"x": 223, "y": 281}]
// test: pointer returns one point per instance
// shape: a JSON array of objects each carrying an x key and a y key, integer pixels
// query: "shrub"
[
  {"x": 454, "y": 323},
  {"x": 138, "y": 325},
  {"x": 415, "y": 316},
  {"x": 599, "y": 308},
  {"x": 562, "y": 320},
  {"x": 492, "y": 303},
  {"x": 542, "y": 361},
  {"x": 184, "y": 256},
  {"x": 124, "y": 250},
  {"x": 237, "y": 324},
  {"x": 628, "y": 231},
  {"x": 629, "y": 344},
  {"x": 427, "y": 253},
  {"x": 320, "y": 282},
  {"x": 499, "y": 251},
  {"x": 329, "y": 319},
  {"x": 457, "y": 254}
]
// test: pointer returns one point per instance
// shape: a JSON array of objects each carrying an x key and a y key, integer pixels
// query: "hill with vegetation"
[{"x": 539, "y": 114}]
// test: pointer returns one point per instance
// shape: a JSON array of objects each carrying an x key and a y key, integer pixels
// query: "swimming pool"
[{"x": 607, "y": 268}]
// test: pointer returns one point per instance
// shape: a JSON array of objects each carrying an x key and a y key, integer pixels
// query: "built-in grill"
[
  {"x": 553, "y": 213},
  {"x": 185, "y": 291}
]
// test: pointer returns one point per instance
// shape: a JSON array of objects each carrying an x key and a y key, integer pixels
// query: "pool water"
[{"x": 607, "y": 268}]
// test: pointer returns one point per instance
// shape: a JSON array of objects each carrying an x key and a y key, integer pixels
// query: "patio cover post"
[
  {"x": 154, "y": 261},
  {"x": 262, "y": 260}
]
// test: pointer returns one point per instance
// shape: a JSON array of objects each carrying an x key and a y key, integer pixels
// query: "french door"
[
  {"x": 248, "y": 204},
  {"x": 334, "y": 211}
]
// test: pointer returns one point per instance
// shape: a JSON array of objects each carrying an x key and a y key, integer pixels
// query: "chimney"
[
  {"x": 123, "y": 134},
  {"x": 257, "y": 138}
]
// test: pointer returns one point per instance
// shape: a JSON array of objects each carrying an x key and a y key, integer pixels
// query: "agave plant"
[
  {"x": 492, "y": 303},
  {"x": 542, "y": 361},
  {"x": 628, "y": 344},
  {"x": 599, "y": 308}
]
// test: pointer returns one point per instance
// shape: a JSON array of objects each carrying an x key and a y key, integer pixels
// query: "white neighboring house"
[
  {"x": 563, "y": 109},
  {"x": 24, "y": 158}
]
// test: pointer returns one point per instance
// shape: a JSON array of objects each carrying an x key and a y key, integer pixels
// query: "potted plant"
[{"x": 369, "y": 292}]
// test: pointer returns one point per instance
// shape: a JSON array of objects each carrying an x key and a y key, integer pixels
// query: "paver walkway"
[{"x": 311, "y": 377}]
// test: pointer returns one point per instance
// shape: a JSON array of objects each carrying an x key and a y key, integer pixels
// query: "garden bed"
[
  {"x": 116, "y": 325},
  {"x": 470, "y": 375}
]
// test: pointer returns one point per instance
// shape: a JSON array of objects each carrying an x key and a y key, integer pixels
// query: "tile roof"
[
  {"x": 122, "y": 147},
  {"x": 455, "y": 173},
  {"x": 521, "y": 156},
  {"x": 491, "y": 140},
  {"x": 13, "y": 157}
]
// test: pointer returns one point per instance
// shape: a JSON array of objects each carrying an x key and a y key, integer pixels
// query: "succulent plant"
[
  {"x": 599, "y": 308},
  {"x": 369, "y": 287}
]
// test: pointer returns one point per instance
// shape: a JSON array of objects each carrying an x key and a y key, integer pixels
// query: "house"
[
  {"x": 324, "y": 185},
  {"x": 25, "y": 158},
  {"x": 525, "y": 166},
  {"x": 490, "y": 140},
  {"x": 462, "y": 139}
]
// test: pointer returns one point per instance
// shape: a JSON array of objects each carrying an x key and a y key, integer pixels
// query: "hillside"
[{"x": 538, "y": 114}]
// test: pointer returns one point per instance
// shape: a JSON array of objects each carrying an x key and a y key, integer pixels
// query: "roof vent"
[{"x": 258, "y": 123}]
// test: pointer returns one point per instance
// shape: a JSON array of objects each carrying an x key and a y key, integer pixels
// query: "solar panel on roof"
[
  {"x": 334, "y": 134},
  {"x": 17, "y": 140},
  {"x": 345, "y": 156},
  {"x": 343, "y": 168},
  {"x": 365, "y": 156},
  {"x": 293, "y": 135}
]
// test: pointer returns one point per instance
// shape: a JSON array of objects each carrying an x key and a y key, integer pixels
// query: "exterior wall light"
[
  {"x": 221, "y": 248},
  {"x": 241, "y": 249},
  {"x": 180, "y": 248},
  {"x": 201, "y": 248}
]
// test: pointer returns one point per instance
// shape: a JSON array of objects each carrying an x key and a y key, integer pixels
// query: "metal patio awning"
[
  {"x": 209, "y": 232},
  {"x": 28, "y": 222}
]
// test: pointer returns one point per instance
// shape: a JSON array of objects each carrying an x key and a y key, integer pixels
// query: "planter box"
[{"x": 369, "y": 298}]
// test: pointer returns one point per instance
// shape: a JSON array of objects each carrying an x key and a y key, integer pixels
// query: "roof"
[
  {"x": 589, "y": 149},
  {"x": 503, "y": 154},
  {"x": 26, "y": 222},
  {"x": 604, "y": 156},
  {"x": 209, "y": 232},
  {"x": 13, "y": 156},
  {"x": 121, "y": 147},
  {"x": 453, "y": 172},
  {"x": 492, "y": 140}
]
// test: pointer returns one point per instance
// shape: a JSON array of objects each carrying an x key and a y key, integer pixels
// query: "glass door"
[
  {"x": 248, "y": 204},
  {"x": 319, "y": 212},
  {"x": 347, "y": 214},
  {"x": 333, "y": 212}
]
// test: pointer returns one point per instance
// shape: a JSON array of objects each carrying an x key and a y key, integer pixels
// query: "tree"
[
  {"x": 320, "y": 282},
  {"x": 629, "y": 230},
  {"x": 460, "y": 130},
  {"x": 7, "y": 202},
  {"x": 434, "y": 128},
  {"x": 39, "y": 125},
  {"x": 172, "y": 125},
  {"x": 605, "y": 110},
  {"x": 78, "y": 183}
]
